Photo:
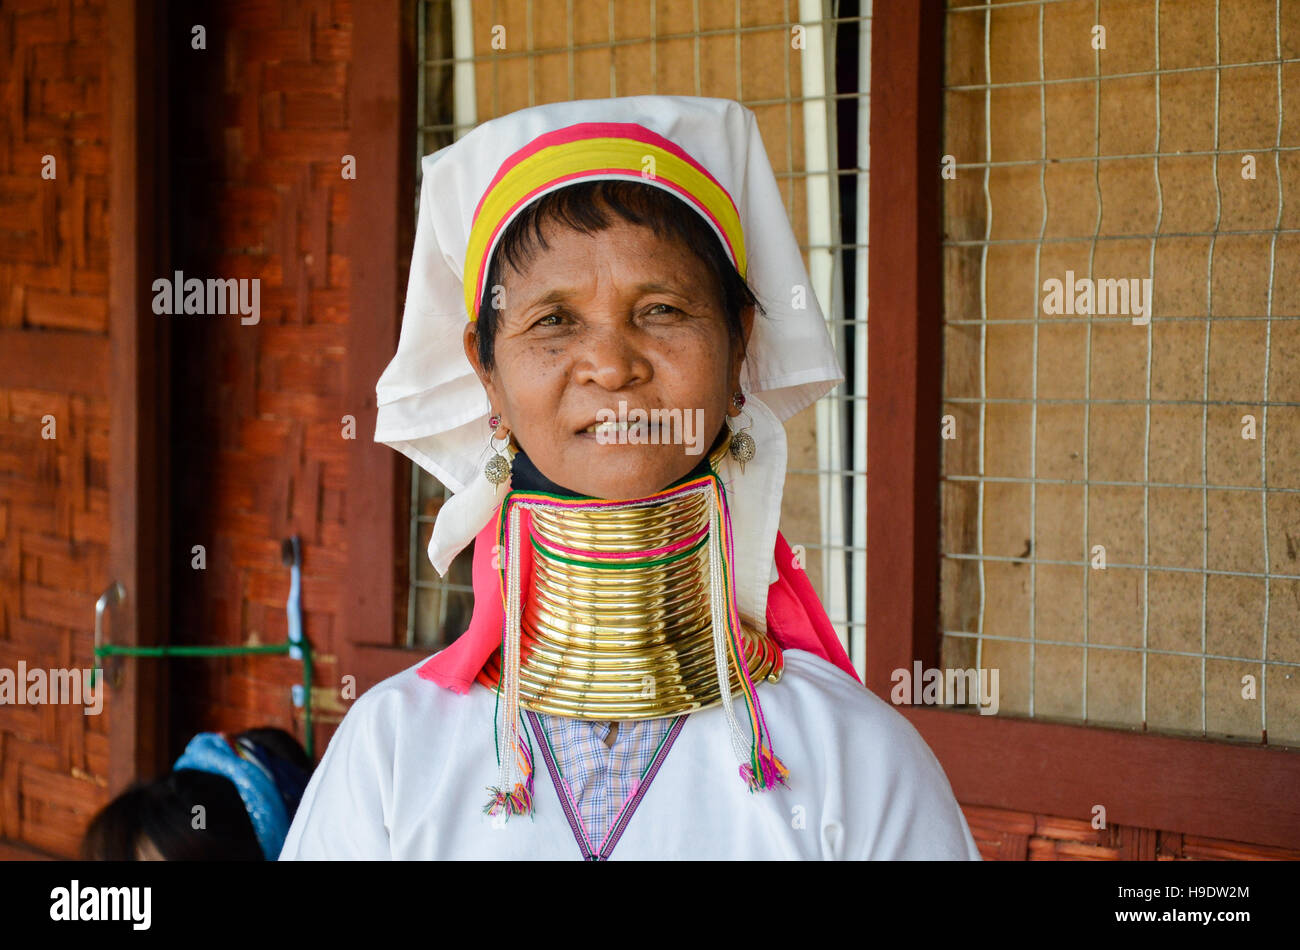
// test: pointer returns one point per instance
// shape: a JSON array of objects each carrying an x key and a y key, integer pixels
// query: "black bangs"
[{"x": 592, "y": 206}]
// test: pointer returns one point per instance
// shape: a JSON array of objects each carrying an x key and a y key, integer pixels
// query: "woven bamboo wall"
[
  {"x": 54, "y": 528},
  {"x": 1068, "y": 445},
  {"x": 1031, "y": 204}
]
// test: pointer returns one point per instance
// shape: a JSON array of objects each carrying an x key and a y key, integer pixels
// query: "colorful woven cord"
[{"x": 764, "y": 769}]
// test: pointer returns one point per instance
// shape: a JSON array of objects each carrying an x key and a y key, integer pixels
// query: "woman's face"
[{"x": 592, "y": 320}]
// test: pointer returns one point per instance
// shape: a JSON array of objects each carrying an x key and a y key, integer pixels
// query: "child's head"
[{"x": 194, "y": 815}]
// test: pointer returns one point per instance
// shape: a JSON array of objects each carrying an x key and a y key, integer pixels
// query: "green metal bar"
[
  {"x": 306, "y": 700},
  {"x": 113, "y": 649},
  {"x": 110, "y": 649}
]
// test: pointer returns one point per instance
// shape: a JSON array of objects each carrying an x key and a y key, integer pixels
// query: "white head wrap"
[{"x": 433, "y": 408}]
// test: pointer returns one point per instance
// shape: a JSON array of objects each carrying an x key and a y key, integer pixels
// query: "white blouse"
[{"x": 407, "y": 774}]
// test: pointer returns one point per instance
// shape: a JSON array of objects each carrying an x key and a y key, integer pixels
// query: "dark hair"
[
  {"x": 586, "y": 207},
  {"x": 281, "y": 743},
  {"x": 161, "y": 812}
]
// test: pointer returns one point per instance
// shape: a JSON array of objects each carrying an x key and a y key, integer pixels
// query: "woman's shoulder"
[
  {"x": 846, "y": 714},
  {"x": 406, "y": 705},
  {"x": 810, "y": 679}
]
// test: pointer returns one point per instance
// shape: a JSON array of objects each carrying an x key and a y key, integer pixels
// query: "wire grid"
[
  {"x": 842, "y": 411},
  {"x": 983, "y": 401}
]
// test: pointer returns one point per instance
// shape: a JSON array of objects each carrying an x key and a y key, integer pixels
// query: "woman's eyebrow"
[
  {"x": 685, "y": 294},
  {"x": 657, "y": 287},
  {"x": 552, "y": 296},
  {"x": 563, "y": 294},
  {"x": 654, "y": 287}
]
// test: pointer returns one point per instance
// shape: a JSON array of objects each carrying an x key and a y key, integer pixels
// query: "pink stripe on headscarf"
[{"x": 796, "y": 619}]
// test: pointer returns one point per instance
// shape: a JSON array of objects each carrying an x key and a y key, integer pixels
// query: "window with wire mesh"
[
  {"x": 1121, "y": 507},
  {"x": 802, "y": 68}
]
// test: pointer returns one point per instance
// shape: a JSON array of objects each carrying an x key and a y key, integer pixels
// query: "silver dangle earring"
[
  {"x": 743, "y": 446},
  {"x": 497, "y": 469}
]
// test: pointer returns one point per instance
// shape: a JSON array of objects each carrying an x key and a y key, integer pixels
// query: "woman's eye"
[
  {"x": 663, "y": 308},
  {"x": 557, "y": 317}
]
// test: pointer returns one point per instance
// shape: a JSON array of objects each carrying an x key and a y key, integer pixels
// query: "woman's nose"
[{"x": 612, "y": 360}]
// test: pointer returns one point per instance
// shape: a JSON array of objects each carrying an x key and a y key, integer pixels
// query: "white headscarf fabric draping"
[{"x": 433, "y": 408}]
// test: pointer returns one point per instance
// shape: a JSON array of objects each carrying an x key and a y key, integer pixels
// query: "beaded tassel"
[
  {"x": 511, "y": 795},
  {"x": 518, "y": 801}
]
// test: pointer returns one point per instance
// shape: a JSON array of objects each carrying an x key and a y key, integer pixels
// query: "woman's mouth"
[{"x": 619, "y": 431}]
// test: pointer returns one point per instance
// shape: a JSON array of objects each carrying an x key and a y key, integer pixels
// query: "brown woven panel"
[
  {"x": 54, "y": 529},
  {"x": 1081, "y": 434},
  {"x": 261, "y": 456},
  {"x": 1020, "y": 836}
]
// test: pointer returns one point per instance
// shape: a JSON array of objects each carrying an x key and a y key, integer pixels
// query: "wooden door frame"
[
  {"x": 138, "y": 385},
  {"x": 1238, "y": 791},
  {"x": 381, "y": 106}
]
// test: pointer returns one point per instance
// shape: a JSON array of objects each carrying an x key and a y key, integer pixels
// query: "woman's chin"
[{"x": 617, "y": 471}]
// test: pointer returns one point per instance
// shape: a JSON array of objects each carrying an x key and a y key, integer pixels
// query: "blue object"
[
  {"x": 294, "y": 606},
  {"x": 211, "y": 752}
]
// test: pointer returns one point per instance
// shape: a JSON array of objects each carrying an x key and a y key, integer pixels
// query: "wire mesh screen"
[
  {"x": 800, "y": 66},
  {"x": 1121, "y": 507}
]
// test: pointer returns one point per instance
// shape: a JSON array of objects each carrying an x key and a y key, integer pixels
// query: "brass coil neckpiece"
[{"x": 634, "y": 642}]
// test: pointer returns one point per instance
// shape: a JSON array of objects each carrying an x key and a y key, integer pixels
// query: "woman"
[{"x": 634, "y": 325}]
